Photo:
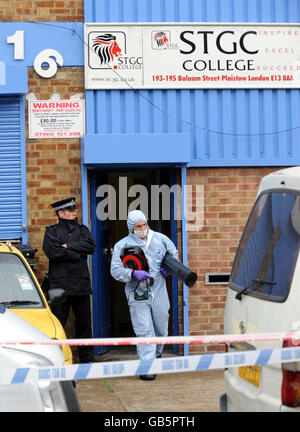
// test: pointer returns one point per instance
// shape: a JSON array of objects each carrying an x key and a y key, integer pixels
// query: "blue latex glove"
[
  {"x": 140, "y": 275},
  {"x": 164, "y": 272}
]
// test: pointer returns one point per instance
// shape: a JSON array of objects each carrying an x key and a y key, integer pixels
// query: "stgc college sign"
[{"x": 179, "y": 55}]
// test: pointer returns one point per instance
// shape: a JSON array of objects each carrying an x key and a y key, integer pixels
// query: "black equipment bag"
[
  {"x": 179, "y": 270},
  {"x": 28, "y": 253}
]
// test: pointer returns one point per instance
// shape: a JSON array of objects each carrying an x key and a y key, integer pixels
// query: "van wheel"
[{"x": 70, "y": 396}]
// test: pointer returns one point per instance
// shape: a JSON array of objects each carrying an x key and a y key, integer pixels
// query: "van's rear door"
[{"x": 259, "y": 299}]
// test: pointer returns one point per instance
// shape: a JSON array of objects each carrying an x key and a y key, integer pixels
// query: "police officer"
[{"x": 67, "y": 244}]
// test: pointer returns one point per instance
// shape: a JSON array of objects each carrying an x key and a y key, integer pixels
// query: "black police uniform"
[{"x": 68, "y": 270}]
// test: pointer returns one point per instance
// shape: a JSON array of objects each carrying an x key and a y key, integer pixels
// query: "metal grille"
[{"x": 10, "y": 169}]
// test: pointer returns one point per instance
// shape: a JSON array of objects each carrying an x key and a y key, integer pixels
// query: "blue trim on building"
[
  {"x": 185, "y": 294},
  {"x": 65, "y": 37},
  {"x": 136, "y": 148},
  {"x": 174, "y": 238},
  {"x": 84, "y": 190},
  {"x": 191, "y": 11},
  {"x": 14, "y": 79},
  {"x": 293, "y": 161},
  {"x": 95, "y": 263}
]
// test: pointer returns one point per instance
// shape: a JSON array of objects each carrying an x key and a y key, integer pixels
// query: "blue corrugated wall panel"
[
  {"x": 230, "y": 127},
  {"x": 10, "y": 169}
]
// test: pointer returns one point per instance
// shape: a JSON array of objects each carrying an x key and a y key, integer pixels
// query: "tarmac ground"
[{"x": 172, "y": 392}]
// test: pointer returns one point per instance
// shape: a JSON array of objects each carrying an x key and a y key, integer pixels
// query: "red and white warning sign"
[{"x": 56, "y": 118}]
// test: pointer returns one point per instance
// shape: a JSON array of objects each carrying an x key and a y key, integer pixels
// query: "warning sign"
[{"x": 56, "y": 119}]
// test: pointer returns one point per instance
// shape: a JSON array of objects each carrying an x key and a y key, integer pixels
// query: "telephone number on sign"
[{"x": 57, "y": 134}]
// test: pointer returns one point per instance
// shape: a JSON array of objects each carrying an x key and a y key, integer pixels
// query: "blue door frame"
[
  {"x": 185, "y": 297},
  {"x": 100, "y": 265},
  {"x": 100, "y": 273}
]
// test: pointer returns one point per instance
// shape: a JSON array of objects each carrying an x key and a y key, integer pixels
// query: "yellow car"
[{"x": 21, "y": 293}]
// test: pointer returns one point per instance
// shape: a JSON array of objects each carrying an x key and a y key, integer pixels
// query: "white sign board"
[
  {"x": 191, "y": 55},
  {"x": 56, "y": 118}
]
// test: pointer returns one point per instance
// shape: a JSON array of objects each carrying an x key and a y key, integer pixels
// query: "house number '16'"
[{"x": 47, "y": 57}]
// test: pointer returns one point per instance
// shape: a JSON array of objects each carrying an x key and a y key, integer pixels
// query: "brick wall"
[
  {"x": 229, "y": 194},
  {"x": 53, "y": 165},
  {"x": 41, "y": 10}
]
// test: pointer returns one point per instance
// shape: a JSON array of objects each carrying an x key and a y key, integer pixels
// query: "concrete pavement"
[{"x": 175, "y": 392}]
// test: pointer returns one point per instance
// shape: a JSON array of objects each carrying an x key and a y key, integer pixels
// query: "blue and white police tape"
[{"x": 157, "y": 366}]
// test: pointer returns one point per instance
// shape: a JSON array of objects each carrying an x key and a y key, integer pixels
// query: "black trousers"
[{"x": 83, "y": 325}]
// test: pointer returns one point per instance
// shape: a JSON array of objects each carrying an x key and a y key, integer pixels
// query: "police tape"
[
  {"x": 169, "y": 340},
  {"x": 166, "y": 365}
]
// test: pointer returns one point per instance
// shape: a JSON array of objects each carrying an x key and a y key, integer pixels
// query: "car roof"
[
  {"x": 9, "y": 248},
  {"x": 284, "y": 179}
]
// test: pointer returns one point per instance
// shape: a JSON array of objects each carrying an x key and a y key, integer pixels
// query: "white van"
[
  {"x": 43, "y": 396},
  {"x": 264, "y": 296}
]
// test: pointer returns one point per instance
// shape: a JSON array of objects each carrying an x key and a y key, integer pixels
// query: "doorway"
[{"x": 111, "y": 316}]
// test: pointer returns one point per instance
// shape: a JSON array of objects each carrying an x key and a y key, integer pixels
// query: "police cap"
[{"x": 65, "y": 204}]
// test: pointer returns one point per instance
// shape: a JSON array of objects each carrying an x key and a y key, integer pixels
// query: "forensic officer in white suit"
[{"x": 148, "y": 305}]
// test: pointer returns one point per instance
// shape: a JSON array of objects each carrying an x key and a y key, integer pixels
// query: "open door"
[
  {"x": 111, "y": 317},
  {"x": 100, "y": 268}
]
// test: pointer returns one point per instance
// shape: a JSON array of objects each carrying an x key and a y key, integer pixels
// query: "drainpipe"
[
  {"x": 184, "y": 256},
  {"x": 23, "y": 171},
  {"x": 84, "y": 190}
]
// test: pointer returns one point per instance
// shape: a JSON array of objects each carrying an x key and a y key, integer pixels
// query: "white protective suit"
[{"x": 149, "y": 317}]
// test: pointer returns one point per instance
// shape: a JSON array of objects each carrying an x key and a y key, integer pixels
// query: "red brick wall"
[
  {"x": 41, "y": 10},
  {"x": 53, "y": 165}
]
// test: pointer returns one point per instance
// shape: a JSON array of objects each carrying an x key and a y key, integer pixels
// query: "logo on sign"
[
  {"x": 161, "y": 40},
  {"x": 106, "y": 48}
]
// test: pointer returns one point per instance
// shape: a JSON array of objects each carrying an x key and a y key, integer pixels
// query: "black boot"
[{"x": 148, "y": 377}]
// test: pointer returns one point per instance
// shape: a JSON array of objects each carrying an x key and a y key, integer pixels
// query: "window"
[
  {"x": 269, "y": 247},
  {"x": 17, "y": 289}
]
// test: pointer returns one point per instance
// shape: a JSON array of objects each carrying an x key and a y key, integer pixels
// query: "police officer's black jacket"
[{"x": 68, "y": 266}]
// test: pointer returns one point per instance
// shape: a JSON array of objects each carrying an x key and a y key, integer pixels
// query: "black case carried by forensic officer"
[{"x": 179, "y": 270}]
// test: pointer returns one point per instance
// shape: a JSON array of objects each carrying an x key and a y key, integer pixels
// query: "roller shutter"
[{"x": 10, "y": 168}]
